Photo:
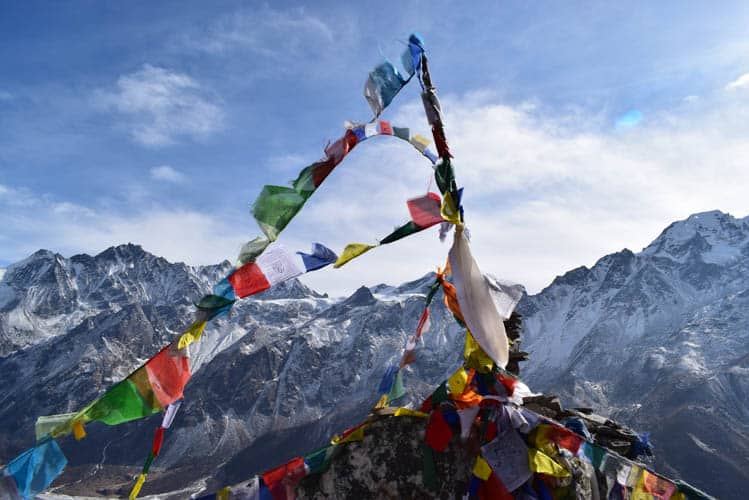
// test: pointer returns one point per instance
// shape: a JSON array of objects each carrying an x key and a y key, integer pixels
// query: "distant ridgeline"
[{"x": 513, "y": 444}]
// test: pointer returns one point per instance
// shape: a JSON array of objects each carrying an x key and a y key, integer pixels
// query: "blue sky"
[{"x": 579, "y": 128}]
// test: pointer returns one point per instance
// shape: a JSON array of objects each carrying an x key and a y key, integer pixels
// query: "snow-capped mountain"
[
  {"x": 661, "y": 339},
  {"x": 656, "y": 339}
]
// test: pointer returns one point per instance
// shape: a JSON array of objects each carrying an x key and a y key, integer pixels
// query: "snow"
[{"x": 700, "y": 444}]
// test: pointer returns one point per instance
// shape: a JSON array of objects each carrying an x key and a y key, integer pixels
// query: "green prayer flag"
[
  {"x": 121, "y": 403},
  {"x": 406, "y": 229},
  {"x": 397, "y": 390},
  {"x": 402, "y": 132},
  {"x": 252, "y": 249},
  {"x": 319, "y": 461},
  {"x": 275, "y": 207},
  {"x": 429, "y": 471},
  {"x": 211, "y": 302},
  {"x": 439, "y": 395},
  {"x": 432, "y": 290},
  {"x": 444, "y": 175},
  {"x": 147, "y": 465}
]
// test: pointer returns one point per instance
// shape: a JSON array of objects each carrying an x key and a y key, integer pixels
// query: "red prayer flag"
[
  {"x": 425, "y": 210},
  {"x": 385, "y": 128},
  {"x": 248, "y": 280},
  {"x": 494, "y": 489},
  {"x": 508, "y": 383},
  {"x": 282, "y": 480},
  {"x": 422, "y": 322},
  {"x": 158, "y": 440},
  {"x": 564, "y": 438},
  {"x": 337, "y": 150},
  {"x": 168, "y": 373},
  {"x": 438, "y": 433},
  {"x": 321, "y": 170}
]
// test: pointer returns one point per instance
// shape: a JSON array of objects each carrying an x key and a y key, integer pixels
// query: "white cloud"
[
  {"x": 740, "y": 82},
  {"x": 167, "y": 173},
  {"x": 277, "y": 34},
  {"x": 177, "y": 234},
  {"x": 159, "y": 106},
  {"x": 542, "y": 195}
]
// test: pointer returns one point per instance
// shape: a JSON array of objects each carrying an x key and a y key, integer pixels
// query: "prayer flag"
[
  {"x": 476, "y": 303},
  {"x": 425, "y": 210},
  {"x": 438, "y": 432},
  {"x": 168, "y": 373},
  {"x": 481, "y": 469},
  {"x": 352, "y": 251},
  {"x": 250, "y": 251},
  {"x": 508, "y": 457},
  {"x": 543, "y": 464},
  {"x": 385, "y": 128},
  {"x": 282, "y": 480},
  {"x": 420, "y": 142},
  {"x": 192, "y": 334},
  {"x": 320, "y": 257},
  {"x": 277, "y": 264},
  {"x": 275, "y": 207},
  {"x": 406, "y": 229},
  {"x": 383, "y": 84},
  {"x": 36, "y": 468},
  {"x": 397, "y": 390},
  {"x": 248, "y": 280}
]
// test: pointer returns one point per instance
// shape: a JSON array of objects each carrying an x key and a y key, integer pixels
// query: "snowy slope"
[{"x": 661, "y": 339}]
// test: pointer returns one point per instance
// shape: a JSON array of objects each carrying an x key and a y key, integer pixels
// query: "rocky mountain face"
[
  {"x": 660, "y": 339},
  {"x": 657, "y": 340}
]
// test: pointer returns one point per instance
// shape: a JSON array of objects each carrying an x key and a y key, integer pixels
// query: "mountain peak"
[{"x": 713, "y": 236}]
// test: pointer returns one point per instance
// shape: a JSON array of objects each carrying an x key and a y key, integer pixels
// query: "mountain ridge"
[{"x": 649, "y": 337}]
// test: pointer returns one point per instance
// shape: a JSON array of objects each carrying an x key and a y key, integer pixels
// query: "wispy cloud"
[
  {"x": 32, "y": 221},
  {"x": 167, "y": 173},
  {"x": 283, "y": 35},
  {"x": 159, "y": 106},
  {"x": 740, "y": 82},
  {"x": 5, "y": 95},
  {"x": 542, "y": 195}
]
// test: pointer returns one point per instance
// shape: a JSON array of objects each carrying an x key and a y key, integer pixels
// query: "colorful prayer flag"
[
  {"x": 320, "y": 257},
  {"x": 36, "y": 468},
  {"x": 352, "y": 251}
]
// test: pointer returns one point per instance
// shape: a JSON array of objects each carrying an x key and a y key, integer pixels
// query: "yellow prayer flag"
[
  {"x": 408, "y": 412},
  {"x": 352, "y": 251},
  {"x": 475, "y": 357},
  {"x": 138, "y": 485},
  {"x": 449, "y": 209},
  {"x": 482, "y": 469},
  {"x": 224, "y": 493},
  {"x": 420, "y": 142},
  {"x": 543, "y": 464},
  {"x": 55, "y": 425},
  {"x": 192, "y": 334},
  {"x": 382, "y": 402},
  {"x": 78, "y": 431},
  {"x": 457, "y": 381},
  {"x": 357, "y": 435}
]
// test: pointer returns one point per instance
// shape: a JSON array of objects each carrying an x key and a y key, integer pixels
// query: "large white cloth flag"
[
  {"x": 506, "y": 294},
  {"x": 476, "y": 301}
]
